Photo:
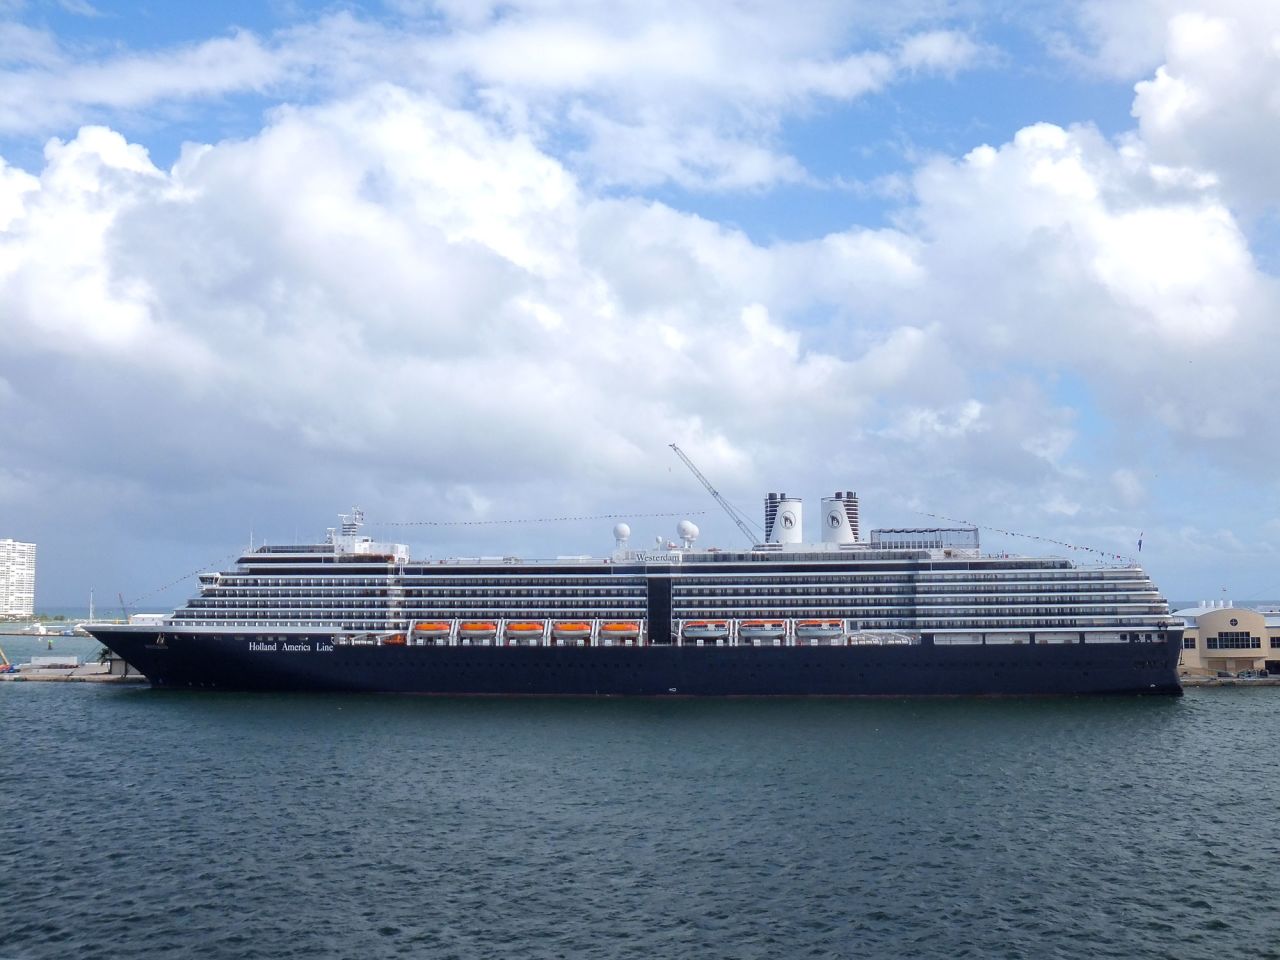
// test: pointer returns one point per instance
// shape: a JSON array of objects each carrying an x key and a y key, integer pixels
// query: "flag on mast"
[{"x": 1140, "y": 536}]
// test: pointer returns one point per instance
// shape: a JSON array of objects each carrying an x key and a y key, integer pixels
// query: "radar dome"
[
  {"x": 621, "y": 531},
  {"x": 687, "y": 530}
]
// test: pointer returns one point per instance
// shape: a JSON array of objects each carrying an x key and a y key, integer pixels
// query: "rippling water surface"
[{"x": 140, "y": 823}]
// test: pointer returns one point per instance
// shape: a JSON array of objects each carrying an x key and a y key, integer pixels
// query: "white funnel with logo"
[
  {"x": 840, "y": 518},
  {"x": 783, "y": 519}
]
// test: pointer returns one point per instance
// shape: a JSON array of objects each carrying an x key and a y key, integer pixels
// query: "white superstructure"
[
  {"x": 17, "y": 578},
  {"x": 905, "y": 585}
]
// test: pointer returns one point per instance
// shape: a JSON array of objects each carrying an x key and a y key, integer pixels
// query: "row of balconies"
[{"x": 260, "y": 598}]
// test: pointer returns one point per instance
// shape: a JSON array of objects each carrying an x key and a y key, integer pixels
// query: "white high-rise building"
[{"x": 17, "y": 578}]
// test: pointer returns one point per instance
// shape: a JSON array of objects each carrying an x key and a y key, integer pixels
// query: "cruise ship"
[{"x": 905, "y": 612}]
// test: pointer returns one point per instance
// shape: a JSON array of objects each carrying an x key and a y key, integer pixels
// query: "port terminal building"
[
  {"x": 1221, "y": 638},
  {"x": 17, "y": 578}
]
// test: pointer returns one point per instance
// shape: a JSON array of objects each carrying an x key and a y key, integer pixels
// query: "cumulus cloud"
[
  {"x": 387, "y": 273},
  {"x": 1208, "y": 86},
  {"x": 1214, "y": 104},
  {"x": 439, "y": 293},
  {"x": 416, "y": 302},
  {"x": 384, "y": 268},
  {"x": 1092, "y": 264}
]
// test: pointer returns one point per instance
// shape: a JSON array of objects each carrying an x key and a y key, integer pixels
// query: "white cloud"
[
  {"x": 943, "y": 51},
  {"x": 1208, "y": 96},
  {"x": 691, "y": 93},
  {"x": 1089, "y": 263},
  {"x": 81, "y": 8},
  {"x": 50, "y": 89},
  {"x": 401, "y": 292},
  {"x": 385, "y": 267}
]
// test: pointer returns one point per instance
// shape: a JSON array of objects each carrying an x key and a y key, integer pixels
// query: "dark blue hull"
[{"x": 232, "y": 662}]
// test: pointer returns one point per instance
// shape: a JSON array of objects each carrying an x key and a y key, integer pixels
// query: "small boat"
[
  {"x": 571, "y": 631},
  {"x": 761, "y": 630},
  {"x": 619, "y": 632},
  {"x": 818, "y": 631},
  {"x": 621, "y": 628},
  {"x": 525, "y": 632},
  {"x": 714, "y": 630},
  {"x": 393, "y": 640},
  {"x": 469, "y": 631},
  {"x": 429, "y": 632},
  {"x": 431, "y": 628}
]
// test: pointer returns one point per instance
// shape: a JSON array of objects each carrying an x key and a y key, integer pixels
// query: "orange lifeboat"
[
  {"x": 477, "y": 628},
  {"x": 811, "y": 631},
  {"x": 431, "y": 628},
  {"x": 525, "y": 631},
  {"x": 574, "y": 631},
  {"x": 706, "y": 630},
  {"x": 394, "y": 640},
  {"x": 620, "y": 631},
  {"x": 761, "y": 629}
]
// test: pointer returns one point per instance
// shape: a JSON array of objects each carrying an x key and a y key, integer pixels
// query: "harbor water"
[{"x": 139, "y": 823}]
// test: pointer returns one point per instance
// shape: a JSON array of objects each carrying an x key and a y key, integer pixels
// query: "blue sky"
[{"x": 1013, "y": 262}]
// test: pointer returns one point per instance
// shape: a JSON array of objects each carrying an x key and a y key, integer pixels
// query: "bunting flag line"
[
  {"x": 1032, "y": 536},
  {"x": 216, "y": 565},
  {"x": 494, "y": 523}
]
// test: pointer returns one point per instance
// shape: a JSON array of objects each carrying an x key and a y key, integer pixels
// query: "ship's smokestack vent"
[
  {"x": 783, "y": 519},
  {"x": 840, "y": 518}
]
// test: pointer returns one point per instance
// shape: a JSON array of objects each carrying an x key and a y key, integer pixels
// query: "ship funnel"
[
  {"x": 840, "y": 518},
  {"x": 783, "y": 519}
]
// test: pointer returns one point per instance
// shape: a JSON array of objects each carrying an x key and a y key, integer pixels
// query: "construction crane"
[{"x": 728, "y": 508}]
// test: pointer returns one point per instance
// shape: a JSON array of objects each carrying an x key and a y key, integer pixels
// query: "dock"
[{"x": 70, "y": 670}]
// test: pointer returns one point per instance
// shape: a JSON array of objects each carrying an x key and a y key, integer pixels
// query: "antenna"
[
  {"x": 123, "y": 607},
  {"x": 728, "y": 508}
]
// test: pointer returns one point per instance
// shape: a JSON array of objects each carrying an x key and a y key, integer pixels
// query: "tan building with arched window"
[{"x": 1226, "y": 639}]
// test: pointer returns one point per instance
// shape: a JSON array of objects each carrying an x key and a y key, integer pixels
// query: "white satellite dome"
[
  {"x": 687, "y": 531},
  {"x": 621, "y": 531}
]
